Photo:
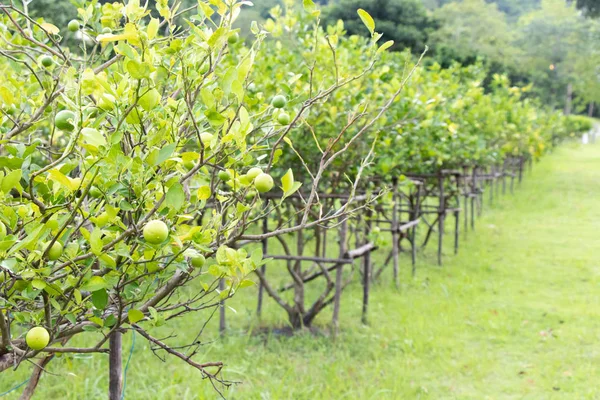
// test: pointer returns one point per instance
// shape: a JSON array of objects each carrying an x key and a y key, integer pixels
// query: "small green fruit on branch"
[
  {"x": 155, "y": 232},
  {"x": 263, "y": 183},
  {"x": 37, "y": 338}
]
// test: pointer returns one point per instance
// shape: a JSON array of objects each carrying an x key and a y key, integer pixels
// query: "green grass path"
[{"x": 516, "y": 315}]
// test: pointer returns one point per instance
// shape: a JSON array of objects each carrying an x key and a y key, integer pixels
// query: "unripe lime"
[
  {"x": 279, "y": 101},
  {"x": 37, "y": 338},
  {"x": 189, "y": 164},
  {"x": 252, "y": 88},
  {"x": 55, "y": 251},
  {"x": 198, "y": 261},
  {"x": 250, "y": 195},
  {"x": 284, "y": 118},
  {"x": 22, "y": 211},
  {"x": 224, "y": 176},
  {"x": 106, "y": 102},
  {"x": 65, "y": 120},
  {"x": 263, "y": 182},
  {"x": 253, "y": 173},
  {"x": 95, "y": 192},
  {"x": 52, "y": 224},
  {"x": 2, "y": 230},
  {"x": 149, "y": 100},
  {"x": 106, "y": 30},
  {"x": 156, "y": 232},
  {"x": 233, "y": 38},
  {"x": 206, "y": 138},
  {"x": 101, "y": 220},
  {"x": 46, "y": 61},
  {"x": 73, "y": 25}
]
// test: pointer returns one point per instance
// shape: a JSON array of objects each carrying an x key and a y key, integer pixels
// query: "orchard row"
[{"x": 134, "y": 166}]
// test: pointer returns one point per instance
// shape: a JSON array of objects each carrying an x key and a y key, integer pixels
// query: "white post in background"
[{"x": 584, "y": 138}]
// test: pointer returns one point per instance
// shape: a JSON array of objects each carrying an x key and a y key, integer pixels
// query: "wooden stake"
[
  {"x": 265, "y": 249},
  {"x": 366, "y": 269},
  {"x": 395, "y": 233},
  {"x": 338, "y": 278}
]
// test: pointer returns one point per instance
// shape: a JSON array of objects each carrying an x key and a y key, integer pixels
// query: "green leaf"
[
  {"x": 215, "y": 118},
  {"x": 62, "y": 179},
  {"x": 309, "y": 7},
  {"x": 175, "y": 197},
  {"x": 153, "y": 26},
  {"x": 38, "y": 284},
  {"x": 93, "y": 137},
  {"x": 165, "y": 153},
  {"x": 385, "y": 46},
  {"x": 135, "y": 316},
  {"x": 94, "y": 284},
  {"x": 96, "y": 241},
  {"x": 367, "y": 20},
  {"x": 204, "y": 192},
  {"x": 11, "y": 181},
  {"x": 287, "y": 181},
  {"x": 126, "y": 50},
  {"x": 138, "y": 70},
  {"x": 100, "y": 299},
  {"x": 293, "y": 189},
  {"x": 246, "y": 283}
]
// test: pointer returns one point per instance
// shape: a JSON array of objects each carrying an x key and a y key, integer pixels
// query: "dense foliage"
[{"x": 132, "y": 165}]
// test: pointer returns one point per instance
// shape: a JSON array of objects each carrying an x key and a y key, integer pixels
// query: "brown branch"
[{"x": 38, "y": 369}]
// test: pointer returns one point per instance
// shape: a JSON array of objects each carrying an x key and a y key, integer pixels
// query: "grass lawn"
[{"x": 516, "y": 315}]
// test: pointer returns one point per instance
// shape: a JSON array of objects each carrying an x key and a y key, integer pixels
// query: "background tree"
[
  {"x": 590, "y": 7},
  {"x": 406, "y": 22},
  {"x": 471, "y": 29}
]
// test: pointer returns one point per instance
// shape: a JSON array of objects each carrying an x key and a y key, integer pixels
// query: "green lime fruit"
[
  {"x": 107, "y": 102},
  {"x": 206, "y": 138},
  {"x": 198, "y": 261},
  {"x": 55, "y": 251},
  {"x": 106, "y": 30},
  {"x": 73, "y": 25},
  {"x": 284, "y": 118},
  {"x": 279, "y": 101},
  {"x": 37, "y": 338},
  {"x": 253, "y": 173},
  {"x": 65, "y": 120},
  {"x": 149, "y": 100},
  {"x": 156, "y": 232},
  {"x": 224, "y": 176},
  {"x": 95, "y": 192},
  {"x": 47, "y": 61},
  {"x": 233, "y": 38},
  {"x": 101, "y": 220},
  {"x": 263, "y": 183}
]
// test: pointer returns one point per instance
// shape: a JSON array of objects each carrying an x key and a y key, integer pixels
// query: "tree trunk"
[
  {"x": 35, "y": 377},
  {"x": 591, "y": 109},
  {"x": 115, "y": 385},
  {"x": 569, "y": 99}
]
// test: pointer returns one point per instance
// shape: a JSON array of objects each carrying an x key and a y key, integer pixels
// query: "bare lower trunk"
[
  {"x": 591, "y": 109},
  {"x": 115, "y": 385}
]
